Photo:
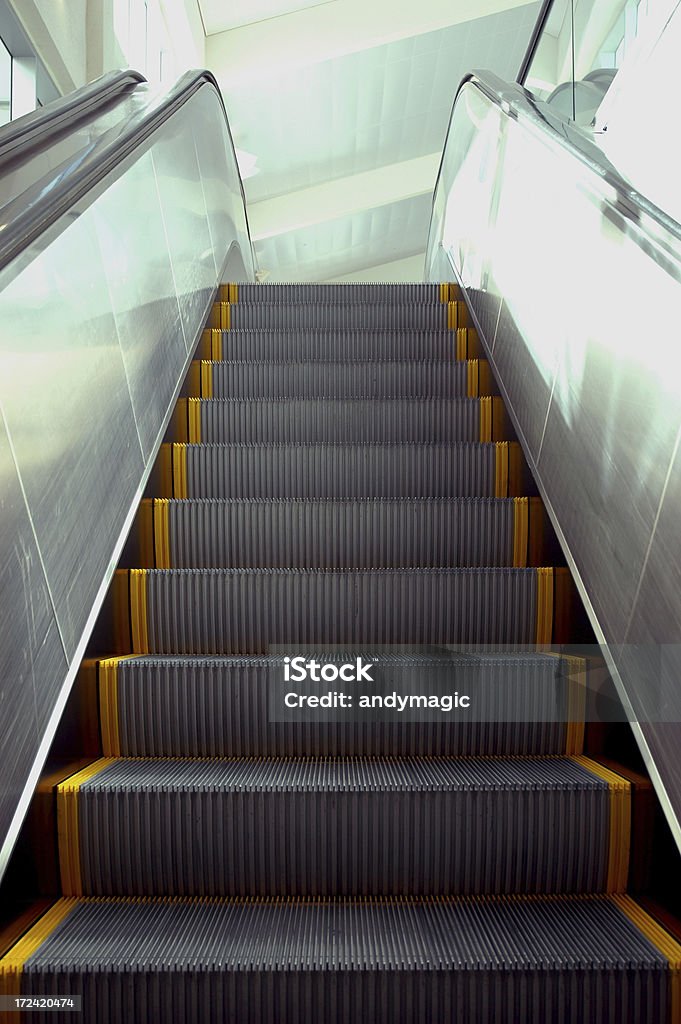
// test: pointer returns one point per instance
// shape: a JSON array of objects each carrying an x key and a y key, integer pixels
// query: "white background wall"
[{"x": 77, "y": 39}]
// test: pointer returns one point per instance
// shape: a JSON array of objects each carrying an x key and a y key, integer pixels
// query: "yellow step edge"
[
  {"x": 215, "y": 346},
  {"x": 229, "y": 292},
  {"x": 206, "y": 379},
  {"x": 461, "y": 344},
  {"x": 205, "y": 346},
  {"x": 501, "y": 469},
  {"x": 13, "y": 962},
  {"x": 485, "y": 419},
  {"x": 485, "y": 379},
  {"x": 194, "y": 417},
  {"x": 472, "y": 378},
  {"x": 544, "y": 629},
  {"x": 501, "y": 425},
  {"x": 225, "y": 316},
  {"x": 194, "y": 379},
  {"x": 179, "y": 421},
  {"x": 457, "y": 315},
  {"x": 520, "y": 532},
  {"x": 576, "y": 711},
  {"x": 68, "y": 833},
  {"x": 161, "y": 519},
  {"x": 121, "y": 611},
  {"x": 444, "y": 292},
  {"x": 620, "y": 822},
  {"x": 537, "y": 531},
  {"x": 664, "y": 942},
  {"x": 475, "y": 349},
  {"x": 179, "y": 463},
  {"x": 145, "y": 532},
  {"x": 138, "y": 611},
  {"x": 107, "y": 670},
  {"x": 165, "y": 463},
  {"x": 515, "y": 469}
]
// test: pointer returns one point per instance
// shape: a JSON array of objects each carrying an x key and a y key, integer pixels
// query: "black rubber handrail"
[
  {"x": 30, "y": 214},
  {"x": 44, "y": 123},
  {"x": 516, "y": 101},
  {"x": 534, "y": 39}
]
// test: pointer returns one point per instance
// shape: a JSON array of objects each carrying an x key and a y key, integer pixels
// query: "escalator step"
[
  {"x": 357, "y": 827},
  {"x": 417, "y": 293},
  {"x": 529, "y": 704},
  {"x": 577, "y": 960},
  {"x": 268, "y": 420},
  {"x": 337, "y": 470},
  {"x": 341, "y": 315},
  {"x": 281, "y": 345},
  {"x": 318, "y": 379},
  {"x": 381, "y": 533},
  {"x": 245, "y": 611}
]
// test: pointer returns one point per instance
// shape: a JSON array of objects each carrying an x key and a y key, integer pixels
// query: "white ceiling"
[
  {"x": 348, "y": 129},
  {"x": 221, "y": 16}
]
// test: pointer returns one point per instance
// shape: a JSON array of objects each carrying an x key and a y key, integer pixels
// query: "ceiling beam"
[
  {"x": 267, "y": 48},
  {"x": 343, "y": 197}
]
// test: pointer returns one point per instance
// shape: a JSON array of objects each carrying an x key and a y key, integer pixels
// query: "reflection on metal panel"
[
  {"x": 32, "y": 662},
  {"x": 64, "y": 392},
  {"x": 136, "y": 265},
  {"x": 584, "y": 352},
  {"x": 99, "y": 314}
]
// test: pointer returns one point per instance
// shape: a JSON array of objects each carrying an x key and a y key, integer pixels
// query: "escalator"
[{"x": 330, "y": 477}]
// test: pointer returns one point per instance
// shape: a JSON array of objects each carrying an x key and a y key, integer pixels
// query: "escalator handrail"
[
  {"x": 39, "y": 208},
  {"x": 40, "y": 126},
  {"x": 515, "y": 100},
  {"x": 537, "y": 31}
]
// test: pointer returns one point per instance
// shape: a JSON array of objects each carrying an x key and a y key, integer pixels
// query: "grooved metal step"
[
  {"x": 381, "y": 533},
  {"x": 337, "y": 470},
  {"x": 282, "y": 344},
  {"x": 213, "y": 707},
  {"x": 577, "y": 960},
  {"x": 415, "y": 293},
  {"x": 246, "y": 611},
  {"x": 268, "y": 420},
  {"x": 323, "y": 314},
  {"x": 386, "y": 379},
  {"x": 359, "y": 827}
]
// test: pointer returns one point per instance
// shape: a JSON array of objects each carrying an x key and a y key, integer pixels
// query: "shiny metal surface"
[
  {"x": 136, "y": 267},
  {"x": 32, "y": 660},
  {"x": 586, "y": 354},
  {"x": 67, "y": 406},
  {"x": 100, "y": 315}
]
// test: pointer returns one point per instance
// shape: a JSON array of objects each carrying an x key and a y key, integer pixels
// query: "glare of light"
[{"x": 247, "y": 164}]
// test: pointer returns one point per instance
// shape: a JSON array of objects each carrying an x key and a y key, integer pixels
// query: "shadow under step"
[{"x": 578, "y": 960}]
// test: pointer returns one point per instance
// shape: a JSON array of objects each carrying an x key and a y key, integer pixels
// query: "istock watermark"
[{"x": 298, "y": 670}]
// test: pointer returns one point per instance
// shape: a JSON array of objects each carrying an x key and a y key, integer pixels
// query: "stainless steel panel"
[
  {"x": 141, "y": 293},
  {"x": 516, "y": 367},
  {"x": 220, "y": 179},
  {"x": 614, "y": 417},
  {"x": 67, "y": 407},
  {"x": 184, "y": 215},
  {"x": 32, "y": 661},
  {"x": 586, "y": 351}
]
